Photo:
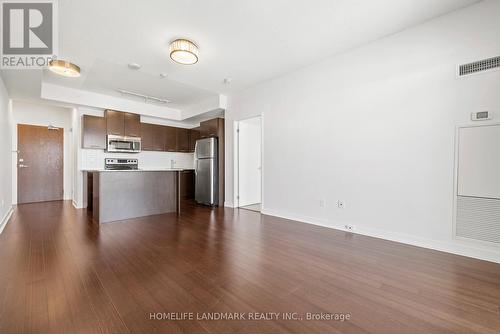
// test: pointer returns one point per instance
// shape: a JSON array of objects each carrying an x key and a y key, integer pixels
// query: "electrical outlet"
[
  {"x": 321, "y": 203},
  {"x": 3, "y": 202},
  {"x": 349, "y": 227},
  {"x": 340, "y": 204}
]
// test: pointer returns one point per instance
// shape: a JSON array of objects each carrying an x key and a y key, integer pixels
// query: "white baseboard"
[
  {"x": 458, "y": 247},
  {"x": 76, "y": 205},
  {"x": 6, "y": 218}
]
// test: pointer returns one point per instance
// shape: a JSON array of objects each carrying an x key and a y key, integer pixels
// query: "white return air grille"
[
  {"x": 479, "y": 66},
  {"x": 478, "y": 218}
]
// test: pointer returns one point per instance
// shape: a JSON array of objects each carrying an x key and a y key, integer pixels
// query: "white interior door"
[
  {"x": 478, "y": 188},
  {"x": 250, "y": 161}
]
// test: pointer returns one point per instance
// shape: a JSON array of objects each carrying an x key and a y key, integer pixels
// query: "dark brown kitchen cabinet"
[
  {"x": 132, "y": 125},
  {"x": 194, "y": 135},
  {"x": 187, "y": 182},
  {"x": 146, "y": 137},
  {"x": 170, "y": 139},
  {"x": 209, "y": 128},
  {"x": 158, "y": 138},
  {"x": 182, "y": 140},
  {"x": 115, "y": 122},
  {"x": 152, "y": 137},
  {"x": 94, "y": 132},
  {"x": 120, "y": 123}
]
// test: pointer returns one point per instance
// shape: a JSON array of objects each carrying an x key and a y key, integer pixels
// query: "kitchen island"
[{"x": 115, "y": 195}]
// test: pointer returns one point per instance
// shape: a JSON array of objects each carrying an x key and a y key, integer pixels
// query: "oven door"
[{"x": 123, "y": 144}]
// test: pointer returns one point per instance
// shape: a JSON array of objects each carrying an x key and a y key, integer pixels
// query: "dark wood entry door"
[{"x": 39, "y": 164}]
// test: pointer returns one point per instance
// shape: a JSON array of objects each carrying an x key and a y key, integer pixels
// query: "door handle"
[{"x": 22, "y": 166}]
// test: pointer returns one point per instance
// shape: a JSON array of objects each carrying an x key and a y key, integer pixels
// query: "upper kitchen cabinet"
[
  {"x": 194, "y": 135},
  {"x": 93, "y": 132},
  {"x": 170, "y": 139},
  {"x": 209, "y": 128},
  {"x": 132, "y": 125},
  {"x": 122, "y": 124},
  {"x": 182, "y": 140},
  {"x": 115, "y": 122},
  {"x": 147, "y": 137},
  {"x": 152, "y": 137}
]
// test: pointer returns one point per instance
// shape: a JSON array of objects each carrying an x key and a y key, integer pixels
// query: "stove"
[{"x": 121, "y": 164}]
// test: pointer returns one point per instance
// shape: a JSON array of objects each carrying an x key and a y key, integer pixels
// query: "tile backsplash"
[{"x": 94, "y": 159}]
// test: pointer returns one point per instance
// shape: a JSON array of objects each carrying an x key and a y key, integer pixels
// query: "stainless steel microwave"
[{"x": 123, "y": 144}]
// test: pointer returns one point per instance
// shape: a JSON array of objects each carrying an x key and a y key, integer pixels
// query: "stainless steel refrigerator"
[{"x": 206, "y": 171}]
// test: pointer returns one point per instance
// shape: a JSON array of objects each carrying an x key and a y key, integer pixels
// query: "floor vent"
[
  {"x": 479, "y": 66},
  {"x": 478, "y": 218}
]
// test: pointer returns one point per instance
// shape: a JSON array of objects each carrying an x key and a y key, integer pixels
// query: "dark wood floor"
[{"x": 59, "y": 273}]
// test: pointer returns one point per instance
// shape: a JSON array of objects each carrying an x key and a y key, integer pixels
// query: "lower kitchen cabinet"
[{"x": 187, "y": 184}]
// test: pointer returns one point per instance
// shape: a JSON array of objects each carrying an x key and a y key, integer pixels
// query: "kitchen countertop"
[{"x": 139, "y": 170}]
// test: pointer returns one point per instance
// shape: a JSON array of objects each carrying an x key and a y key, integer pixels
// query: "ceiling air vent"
[{"x": 479, "y": 66}]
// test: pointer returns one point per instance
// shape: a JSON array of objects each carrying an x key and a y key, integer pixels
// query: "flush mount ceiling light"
[
  {"x": 64, "y": 68},
  {"x": 184, "y": 52}
]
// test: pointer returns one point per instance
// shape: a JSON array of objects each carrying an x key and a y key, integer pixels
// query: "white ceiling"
[
  {"x": 106, "y": 77},
  {"x": 247, "y": 41}
]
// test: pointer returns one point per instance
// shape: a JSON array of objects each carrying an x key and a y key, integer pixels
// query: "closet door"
[{"x": 478, "y": 184}]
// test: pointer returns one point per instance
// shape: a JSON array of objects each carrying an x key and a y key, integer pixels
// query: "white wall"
[
  {"x": 43, "y": 115},
  {"x": 76, "y": 142},
  {"x": 375, "y": 127},
  {"x": 5, "y": 154},
  {"x": 249, "y": 161}
]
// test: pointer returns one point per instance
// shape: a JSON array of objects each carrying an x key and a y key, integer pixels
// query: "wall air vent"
[{"x": 479, "y": 66}]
